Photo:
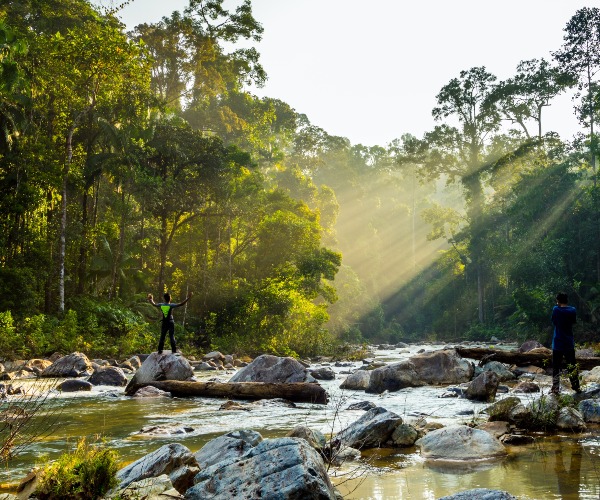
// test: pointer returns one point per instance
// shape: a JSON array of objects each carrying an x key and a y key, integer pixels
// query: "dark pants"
[
  {"x": 167, "y": 326},
  {"x": 572, "y": 371}
]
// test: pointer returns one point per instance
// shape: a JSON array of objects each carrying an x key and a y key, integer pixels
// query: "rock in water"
[
  {"x": 273, "y": 369},
  {"x": 460, "y": 442},
  {"x": 157, "y": 367},
  {"x": 285, "y": 468},
  {"x": 76, "y": 364}
]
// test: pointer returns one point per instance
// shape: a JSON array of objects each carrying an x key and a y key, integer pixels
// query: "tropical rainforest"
[{"x": 136, "y": 162}]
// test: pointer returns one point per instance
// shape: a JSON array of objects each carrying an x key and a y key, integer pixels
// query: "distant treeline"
[{"x": 136, "y": 162}]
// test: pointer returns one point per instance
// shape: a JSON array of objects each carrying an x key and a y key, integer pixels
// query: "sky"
[{"x": 370, "y": 71}]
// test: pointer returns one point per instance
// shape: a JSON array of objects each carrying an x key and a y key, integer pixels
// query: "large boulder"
[
  {"x": 460, "y": 442},
  {"x": 273, "y": 369},
  {"x": 76, "y": 364},
  {"x": 590, "y": 409},
  {"x": 174, "y": 460},
  {"x": 483, "y": 387},
  {"x": 569, "y": 419},
  {"x": 313, "y": 437},
  {"x": 359, "y": 380},
  {"x": 108, "y": 375},
  {"x": 230, "y": 446},
  {"x": 322, "y": 373},
  {"x": 284, "y": 468},
  {"x": 428, "y": 368},
  {"x": 157, "y": 367},
  {"x": 371, "y": 430}
]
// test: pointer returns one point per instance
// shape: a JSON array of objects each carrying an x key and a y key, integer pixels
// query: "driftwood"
[
  {"x": 520, "y": 358},
  {"x": 298, "y": 392}
]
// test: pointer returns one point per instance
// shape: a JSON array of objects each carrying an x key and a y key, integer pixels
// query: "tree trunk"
[
  {"x": 540, "y": 359},
  {"x": 297, "y": 392},
  {"x": 63, "y": 223}
]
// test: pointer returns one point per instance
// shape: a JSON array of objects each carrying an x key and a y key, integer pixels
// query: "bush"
[{"x": 87, "y": 473}]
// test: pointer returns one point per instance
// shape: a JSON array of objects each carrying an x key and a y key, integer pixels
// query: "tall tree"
[{"x": 460, "y": 153}]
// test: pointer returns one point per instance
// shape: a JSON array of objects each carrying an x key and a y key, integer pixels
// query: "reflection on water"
[{"x": 557, "y": 467}]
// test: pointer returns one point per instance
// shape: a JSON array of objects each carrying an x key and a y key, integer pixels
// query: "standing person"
[
  {"x": 168, "y": 322},
  {"x": 563, "y": 343}
]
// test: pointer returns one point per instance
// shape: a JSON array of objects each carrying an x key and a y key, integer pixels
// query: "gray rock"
[
  {"x": 74, "y": 385},
  {"x": 590, "y": 409},
  {"x": 168, "y": 459},
  {"x": 109, "y": 375},
  {"x": 150, "y": 392},
  {"x": 371, "y": 430},
  {"x": 156, "y": 367},
  {"x": 315, "y": 438},
  {"x": 429, "y": 368},
  {"x": 227, "y": 447},
  {"x": 135, "y": 362},
  {"x": 359, "y": 380},
  {"x": 284, "y": 468},
  {"x": 499, "y": 369},
  {"x": 404, "y": 435},
  {"x": 483, "y": 387},
  {"x": 273, "y": 369},
  {"x": 362, "y": 405},
  {"x": 152, "y": 488},
  {"x": 323, "y": 373},
  {"x": 501, "y": 409},
  {"x": 526, "y": 387},
  {"x": 76, "y": 364},
  {"x": 529, "y": 345},
  {"x": 213, "y": 356},
  {"x": 569, "y": 419},
  {"x": 480, "y": 494},
  {"x": 460, "y": 442}
]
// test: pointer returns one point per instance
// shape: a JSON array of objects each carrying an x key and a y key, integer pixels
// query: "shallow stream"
[{"x": 566, "y": 466}]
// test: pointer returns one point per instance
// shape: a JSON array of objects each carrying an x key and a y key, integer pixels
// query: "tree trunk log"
[
  {"x": 298, "y": 392},
  {"x": 520, "y": 358}
]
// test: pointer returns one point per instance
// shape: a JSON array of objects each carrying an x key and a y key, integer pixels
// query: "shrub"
[{"x": 87, "y": 473}]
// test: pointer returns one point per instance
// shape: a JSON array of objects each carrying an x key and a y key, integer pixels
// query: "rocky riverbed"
[{"x": 138, "y": 426}]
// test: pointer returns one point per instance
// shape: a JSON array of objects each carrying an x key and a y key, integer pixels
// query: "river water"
[{"x": 565, "y": 466}]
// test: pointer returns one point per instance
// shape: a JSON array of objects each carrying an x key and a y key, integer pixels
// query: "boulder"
[
  {"x": 428, "y": 368},
  {"x": 40, "y": 364},
  {"x": 315, "y": 438},
  {"x": 173, "y": 459},
  {"x": 227, "y": 447},
  {"x": 213, "y": 356},
  {"x": 74, "y": 385},
  {"x": 371, "y": 430},
  {"x": 286, "y": 468},
  {"x": 500, "y": 410},
  {"x": 362, "y": 405},
  {"x": 323, "y": 373},
  {"x": 404, "y": 435},
  {"x": 152, "y": 488},
  {"x": 273, "y": 369},
  {"x": 590, "y": 409},
  {"x": 72, "y": 365},
  {"x": 135, "y": 362},
  {"x": 499, "y": 369},
  {"x": 483, "y": 387},
  {"x": 480, "y": 494},
  {"x": 109, "y": 375},
  {"x": 529, "y": 345},
  {"x": 359, "y": 380},
  {"x": 526, "y": 387},
  {"x": 496, "y": 429},
  {"x": 460, "y": 442},
  {"x": 150, "y": 392},
  {"x": 166, "y": 366},
  {"x": 592, "y": 376},
  {"x": 569, "y": 419}
]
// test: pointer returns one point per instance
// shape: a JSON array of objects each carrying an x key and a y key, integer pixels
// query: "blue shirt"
[{"x": 563, "y": 318}]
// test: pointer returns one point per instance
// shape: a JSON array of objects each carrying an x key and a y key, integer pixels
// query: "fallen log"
[
  {"x": 520, "y": 358},
  {"x": 300, "y": 392}
]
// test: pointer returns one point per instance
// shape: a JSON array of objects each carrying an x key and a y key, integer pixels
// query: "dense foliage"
[{"x": 139, "y": 162}]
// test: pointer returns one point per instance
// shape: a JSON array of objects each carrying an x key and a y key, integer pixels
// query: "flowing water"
[{"x": 566, "y": 466}]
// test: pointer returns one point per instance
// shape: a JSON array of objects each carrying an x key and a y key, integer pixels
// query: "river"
[{"x": 565, "y": 466}]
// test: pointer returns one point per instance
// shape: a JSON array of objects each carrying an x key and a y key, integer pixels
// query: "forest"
[{"x": 136, "y": 162}]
